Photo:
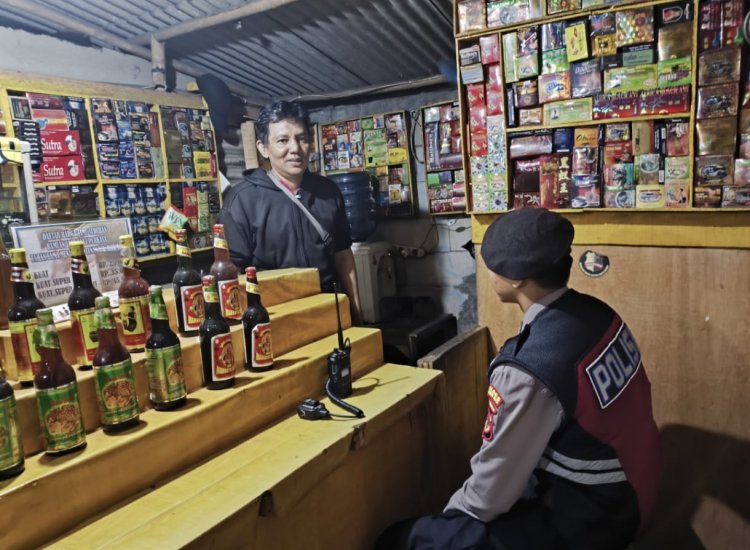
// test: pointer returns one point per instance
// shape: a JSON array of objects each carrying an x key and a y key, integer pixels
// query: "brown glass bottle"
[
  {"x": 225, "y": 273},
  {"x": 6, "y": 296},
  {"x": 166, "y": 379},
  {"x": 11, "y": 448},
  {"x": 56, "y": 391},
  {"x": 188, "y": 291},
  {"x": 81, "y": 306},
  {"x": 22, "y": 318},
  {"x": 217, "y": 351},
  {"x": 133, "y": 298},
  {"x": 113, "y": 374},
  {"x": 256, "y": 325}
]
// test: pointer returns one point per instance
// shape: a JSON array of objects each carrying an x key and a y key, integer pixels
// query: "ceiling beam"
[
  {"x": 426, "y": 82},
  {"x": 201, "y": 23},
  {"x": 125, "y": 45}
]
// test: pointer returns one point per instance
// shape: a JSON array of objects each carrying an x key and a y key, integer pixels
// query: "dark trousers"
[{"x": 524, "y": 527}]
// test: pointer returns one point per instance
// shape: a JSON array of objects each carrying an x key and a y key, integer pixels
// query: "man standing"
[
  {"x": 288, "y": 217},
  {"x": 570, "y": 456}
]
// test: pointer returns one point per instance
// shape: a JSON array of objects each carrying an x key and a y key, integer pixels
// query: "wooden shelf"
[
  {"x": 106, "y": 181},
  {"x": 65, "y": 183},
  {"x": 642, "y": 118}
]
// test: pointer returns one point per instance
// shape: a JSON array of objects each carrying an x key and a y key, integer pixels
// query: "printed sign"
[{"x": 48, "y": 255}]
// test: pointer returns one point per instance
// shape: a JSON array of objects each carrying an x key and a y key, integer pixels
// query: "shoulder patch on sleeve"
[{"x": 495, "y": 400}]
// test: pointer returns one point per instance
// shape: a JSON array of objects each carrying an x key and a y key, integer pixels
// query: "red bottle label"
[
  {"x": 262, "y": 350},
  {"x": 229, "y": 297},
  {"x": 222, "y": 357},
  {"x": 193, "y": 306}
]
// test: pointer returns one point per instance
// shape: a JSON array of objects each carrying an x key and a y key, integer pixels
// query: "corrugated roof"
[{"x": 303, "y": 47}]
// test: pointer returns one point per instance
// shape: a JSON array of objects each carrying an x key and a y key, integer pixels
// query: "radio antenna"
[{"x": 338, "y": 315}]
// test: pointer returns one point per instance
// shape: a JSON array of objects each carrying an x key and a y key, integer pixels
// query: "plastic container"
[{"x": 358, "y": 202}]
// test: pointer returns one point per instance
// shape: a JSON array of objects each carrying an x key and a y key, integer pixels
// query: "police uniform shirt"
[{"x": 522, "y": 415}]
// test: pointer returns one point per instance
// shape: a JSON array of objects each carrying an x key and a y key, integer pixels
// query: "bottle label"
[
  {"x": 84, "y": 332},
  {"x": 229, "y": 292},
  {"x": 115, "y": 387},
  {"x": 11, "y": 449},
  {"x": 253, "y": 288},
  {"x": 21, "y": 274},
  {"x": 132, "y": 314},
  {"x": 80, "y": 266},
  {"x": 60, "y": 413},
  {"x": 166, "y": 379},
  {"x": 222, "y": 357},
  {"x": 24, "y": 349},
  {"x": 193, "y": 307},
  {"x": 262, "y": 352},
  {"x": 183, "y": 251},
  {"x": 220, "y": 243}
]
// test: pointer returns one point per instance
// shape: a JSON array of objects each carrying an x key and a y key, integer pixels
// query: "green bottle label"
[
  {"x": 115, "y": 387},
  {"x": 60, "y": 413},
  {"x": 158, "y": 310},
  {"x": 11, "y": 449},
  {"x": 166, "y": 379}
]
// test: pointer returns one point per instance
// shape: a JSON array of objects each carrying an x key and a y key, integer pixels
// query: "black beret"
[{"x": 526, "y": 242}]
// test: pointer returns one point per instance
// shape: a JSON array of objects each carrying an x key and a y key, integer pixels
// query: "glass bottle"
[
  {"x": 225, "y": 273},
  {"x": 188, "y": 295},
  {"x": 113, "y": 374},
  {"x": 82, "y": 307},
  {"x": 56, "y": 391},
  {"x": 256, "y": 325},
  {"x": 133, "y": 297},
  {"x": 22, "y": 318},
  {"x": 166, "y": 379},
  {"x": 11, "y": 448},
  {"x": 6, "y": 297},
  {"x": 217, "y": 351}
]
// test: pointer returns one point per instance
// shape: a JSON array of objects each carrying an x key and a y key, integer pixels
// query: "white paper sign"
[{"x": 48, "y": 255}]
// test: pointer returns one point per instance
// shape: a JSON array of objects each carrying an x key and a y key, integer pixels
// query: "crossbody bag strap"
[{"x": 327, "y": 240}]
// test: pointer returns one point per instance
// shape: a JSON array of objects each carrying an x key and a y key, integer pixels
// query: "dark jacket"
[{"x": 266, "y": 230}]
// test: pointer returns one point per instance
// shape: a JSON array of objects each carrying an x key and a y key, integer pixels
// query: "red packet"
[
  {"x": 475, "y": 96},
  {"x": 490, "y": 47}
]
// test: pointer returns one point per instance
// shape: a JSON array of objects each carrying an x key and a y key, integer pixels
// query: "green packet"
[
  {"x": 555, "y": 61},
  {"x": 569, "y": 110},
  {"x": 674, "y": 72},
  {"x": 630, "y": 79}
]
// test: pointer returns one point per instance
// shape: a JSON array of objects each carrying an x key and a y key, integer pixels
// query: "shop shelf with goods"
[
  {"x": 594, "y": 108},
  {"x": 106, "y": 151},
  {"x": 443, "y": 162},
  {"x": 378, "y": 144}
]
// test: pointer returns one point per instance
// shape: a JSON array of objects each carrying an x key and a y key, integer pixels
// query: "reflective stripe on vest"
[{"x": 585, "y": 472}]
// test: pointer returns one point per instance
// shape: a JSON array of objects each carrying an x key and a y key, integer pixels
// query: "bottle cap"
[
  {"x": 155, "y": 290},
  {"x": 101, "y": 302},
  {"x": 180, "y": 235},
  {"x": 76, "y": 248},
  {"x": 218, "y": 229},
  {"x": 208, "y": 280},
  {"x": 44, "y": 316},
  {"x": 250, "y": 271},
  {"x": 17, "y": 255}
]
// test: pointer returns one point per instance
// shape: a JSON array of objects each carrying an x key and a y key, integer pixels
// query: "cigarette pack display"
[
  {"x": 676, "y": 194},
  {"x": 62, "y": 169},
  {"x": 470, "y": 55},
  {"x": 742, "y": 172},
  {"x": 585, "y": 161},
  {"x": 619, "y": 175},
  {"x": 648, "y": 169},
  {"x": 585, "y": 192},
  {"x": 494, "y": 101},
  {"x": 45, "y": 101},
  {"x": 630, "y": 79},
  {"x": 735, "y": 197},
  {"x": 564, "y": 179},
  {"x": 526, "y": 200},
  {"x": 554, "y": 87},
  {"x": 643, "y": 137},
  {"x": 637, "y": 55},
  {"x": 478, "y": 144},
  {"x": 127, "y": 169},
  {"x": 60, "y": 143},
  {"x": 616, "y": 153},
  {"x": 527, "y": 93},
  {"x": 674, "y": 72},
  {"x": 60, "y": 201},
  {"x": 707, "y": 196},
  {"x": 549, "y": 183},
  {"x": 604, "y": 45},
  {"x": 553, "y": 36},
  {"x": 576, "y": 41},
  {"x": 530, "y": 117},
  {"x": 718, "y": 101},
  {"x": 510, "y": 107},
  {"x": 665, "y": 101},
  {"x": 586, "y": 79},
  {"x": 50, "y": 119},
  {"x": 527, "y": 66},
  {"x": 714, "y": 170},
  {"x": 744, "y": 146},
  {"x": 111, "y": 169},
  {"x": 678, "y": 138},
  {"x": 670, "y": 14},
  {"x": 562, "y": 140},
  {"x": 660, "y": 137},
  {"x": 619, "y": 197},
  {"x": 675, "y": 41},
  {"x": 490, "y": 48},
  {"x": 528, "y": 40},
  {"x": 635, "y": 26},
  {"x": 494, "y": 76},
  {"x": 612, "y": 61},
  {"x": 477, "y": 120},
  {"x": 677, "y": 169},
  {"x": 568, "y": 111},
  {"x": 614, "y": 133},
  {"x": 719, "y": 66},
  {"x": 649, "y": 196},
  {"x": 471, "y": 15},
  {"x": 471, "y": 74},
  {"x": 603, "y": 24},
  {"x": 620, "y": 105},
  {"x": 526, "y": 176},
  {"x": 475, "y": 95},
  {"x": 555, "y": 61},
  {"x": 588, "y": 136},
  {"x": 559, "y": 6},
  {"x": 532, "y": 145},
  {"x": 510, "y": 52}
]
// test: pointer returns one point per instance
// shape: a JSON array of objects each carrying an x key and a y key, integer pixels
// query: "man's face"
[
  {"x": 503, "y": 287},
  {"x": 288, "y": 148}
]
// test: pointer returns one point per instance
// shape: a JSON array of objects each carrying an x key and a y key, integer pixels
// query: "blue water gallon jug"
[{"x": 358, "y": 202}]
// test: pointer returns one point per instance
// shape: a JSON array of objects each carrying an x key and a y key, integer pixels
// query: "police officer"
[{"x": 570, "y": 456}]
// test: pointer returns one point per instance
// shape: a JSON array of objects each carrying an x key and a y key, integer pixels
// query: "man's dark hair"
[
  {"x": 555, "y": 277},
  {"x": 278, "y": 111}
]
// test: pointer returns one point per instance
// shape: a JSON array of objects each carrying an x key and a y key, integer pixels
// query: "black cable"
[{"x": 416, "y": 120}]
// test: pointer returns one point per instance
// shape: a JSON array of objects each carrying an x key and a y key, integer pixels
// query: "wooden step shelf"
[{"x": 297, "y": 484}]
